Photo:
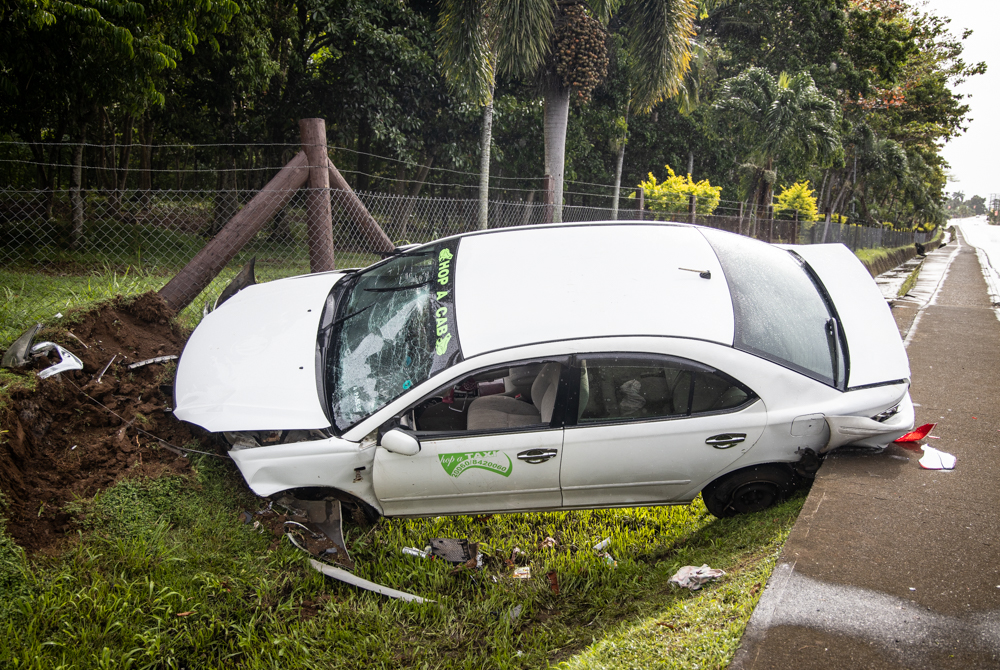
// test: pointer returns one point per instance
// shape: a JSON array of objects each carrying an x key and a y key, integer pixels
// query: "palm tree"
[
  {"x": 478, "y": 40},
  {"x": 774, "y": 119}
]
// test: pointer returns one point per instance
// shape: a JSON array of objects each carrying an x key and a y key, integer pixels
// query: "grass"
[
  {"x": 28, "y": 295},
  {"x": 909, "y": 283},
  {"x": 163, "y": 574}
]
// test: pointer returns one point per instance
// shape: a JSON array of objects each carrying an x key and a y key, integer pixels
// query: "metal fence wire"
[{"x": 56, "y": 253}]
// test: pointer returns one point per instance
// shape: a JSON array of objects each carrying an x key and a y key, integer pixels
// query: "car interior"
[{"x": 611, "y": 389}]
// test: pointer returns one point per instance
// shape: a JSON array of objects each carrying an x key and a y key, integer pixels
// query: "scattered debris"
[
  {"x": 936, "y": 460},
  {"x": 413, "y": 551},
  {"x": 325, "y": 516},
  {"x": 354, "y": 580},
  {"x": 17, "y": 355},
  {"x": 453, "y": 551},
  {"x": 549, "y": 543},
  {"x": 514, "y": 614},
  {"x": 100, "y": 375},
  {"x": 690, "y": 577},
  {"x": 67, "y": 361},
  {"x": 149, "y": 361},
  {"x": 603, "y": 544},
  {"x": 523, "y": 572},
  {"x": 77, "y": 339},
  {"x": 553, "y": 581},
  {"x": 610, "y": 560},
  {"x": 917, "y": 434}
]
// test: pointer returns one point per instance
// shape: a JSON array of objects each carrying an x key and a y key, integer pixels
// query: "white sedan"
[{"x": 552, "y": 367}]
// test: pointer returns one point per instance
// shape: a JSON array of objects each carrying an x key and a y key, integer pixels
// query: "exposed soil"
[{"x": 73, "y": 435}]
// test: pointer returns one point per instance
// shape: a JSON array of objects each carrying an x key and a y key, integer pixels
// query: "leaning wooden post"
[
  {"x": 214, "y": 256},
  {"x": 365, "y": 223}
]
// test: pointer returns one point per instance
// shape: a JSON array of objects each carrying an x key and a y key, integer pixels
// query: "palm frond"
[
  {"x": 659, "y": 44},
  {"x": 522, "y": 29},
  {"x": 463, "y": 45}
]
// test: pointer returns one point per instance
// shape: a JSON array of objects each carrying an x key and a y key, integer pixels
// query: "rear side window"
[
  {"x": 781, "y": 313},
  {"x": 617, "y": 387}
]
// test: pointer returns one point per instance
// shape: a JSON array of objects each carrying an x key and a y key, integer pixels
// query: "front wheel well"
[{"x": 361, "y": 512}]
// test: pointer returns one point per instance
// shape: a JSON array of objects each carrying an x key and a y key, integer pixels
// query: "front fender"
[{"x": 330, "y": 463}]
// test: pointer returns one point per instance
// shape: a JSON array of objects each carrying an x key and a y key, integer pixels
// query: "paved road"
[{"x": 890, "y": 565}]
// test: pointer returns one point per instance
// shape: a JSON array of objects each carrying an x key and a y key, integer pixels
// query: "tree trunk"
[
  {"x": 75, "y": 183},
  {"x": 555, "y": 125},
  {"x": 619, "y": 160},
  {"x": 363, "y": 182},
  {"x": 125, "y": 155},
  {"x": 407, "y": 206},
  {"x": 146, "y": 128},
  {"x": 485, "y": 145}
]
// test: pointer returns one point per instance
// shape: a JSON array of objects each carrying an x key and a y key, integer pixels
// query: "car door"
[
  {"x": 650, "y": 426},
  {"x": 505, "y": 457}
]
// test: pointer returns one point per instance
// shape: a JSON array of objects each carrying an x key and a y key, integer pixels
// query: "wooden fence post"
[
  {"x": 642, "y": 202},
  {"x": 207, "y": 263},
  {"x": 739, "y": 226},
  {"x": 319, "y": 218},
  {"x": 371, "y": 232},
  {"x": 693, "y": 208}
]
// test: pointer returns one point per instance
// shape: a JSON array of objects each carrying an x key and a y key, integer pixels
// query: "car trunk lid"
[{"x": 875, "y": 349}]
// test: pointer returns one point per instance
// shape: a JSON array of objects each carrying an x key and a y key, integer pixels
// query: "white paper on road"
[{"x": 936, "y": 460}]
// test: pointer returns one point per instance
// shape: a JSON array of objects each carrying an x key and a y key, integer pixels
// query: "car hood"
[
  {"x": 874, "y": 347},
  {"x": 251, "y": 364}
]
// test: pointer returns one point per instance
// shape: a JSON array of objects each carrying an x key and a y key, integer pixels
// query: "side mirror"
[{"x": 399, "y": 442}]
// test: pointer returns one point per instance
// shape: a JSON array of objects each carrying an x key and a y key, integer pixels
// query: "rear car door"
[
  {"x": 485, "y": 444},
  {"x": 649, "y": 426}
]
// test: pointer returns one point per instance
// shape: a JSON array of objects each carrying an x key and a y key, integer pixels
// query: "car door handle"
[
  {"x": 537, "y": 455},
  {"x": 726, "y": 440}
]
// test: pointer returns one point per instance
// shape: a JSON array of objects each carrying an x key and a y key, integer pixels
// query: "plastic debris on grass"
[{"x": 691, "y": 577}]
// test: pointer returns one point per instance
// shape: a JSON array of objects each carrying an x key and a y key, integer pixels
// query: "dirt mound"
[{"x": 73, "y": 435}]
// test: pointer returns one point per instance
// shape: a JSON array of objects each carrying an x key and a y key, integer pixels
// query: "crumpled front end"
[{"x": 875, "y": 432}]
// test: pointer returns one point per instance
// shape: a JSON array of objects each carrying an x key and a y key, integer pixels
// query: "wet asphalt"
[{"x": 890, "y": 565}]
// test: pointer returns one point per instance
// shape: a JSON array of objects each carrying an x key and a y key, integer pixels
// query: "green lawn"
[{"x": 163, "y": 574}]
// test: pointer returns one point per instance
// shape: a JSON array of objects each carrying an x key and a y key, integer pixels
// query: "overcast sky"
[{"x": 975, "y": 156}]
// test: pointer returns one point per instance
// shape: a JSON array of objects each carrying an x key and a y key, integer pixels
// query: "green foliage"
[
  {"x": 797, "y": 198},
  {"x": 674, "y": 193}
]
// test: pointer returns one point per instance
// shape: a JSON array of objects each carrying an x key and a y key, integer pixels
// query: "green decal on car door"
[{"x": 493, "y": 461}]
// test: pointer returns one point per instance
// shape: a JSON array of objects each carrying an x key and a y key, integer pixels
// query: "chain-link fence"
[{"x": 60, "y": 249}]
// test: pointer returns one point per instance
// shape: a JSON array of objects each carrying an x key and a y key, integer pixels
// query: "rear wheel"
[{"x": 748, "y": 490}]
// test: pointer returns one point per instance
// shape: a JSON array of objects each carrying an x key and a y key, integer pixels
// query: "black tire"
[{"x": 748, "y": 490}]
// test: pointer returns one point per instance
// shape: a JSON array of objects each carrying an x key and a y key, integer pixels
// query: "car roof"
[{"x": 533, "y": 284}]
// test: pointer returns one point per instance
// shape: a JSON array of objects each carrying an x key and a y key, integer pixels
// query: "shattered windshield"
[{"x": 395, "y": 327}]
